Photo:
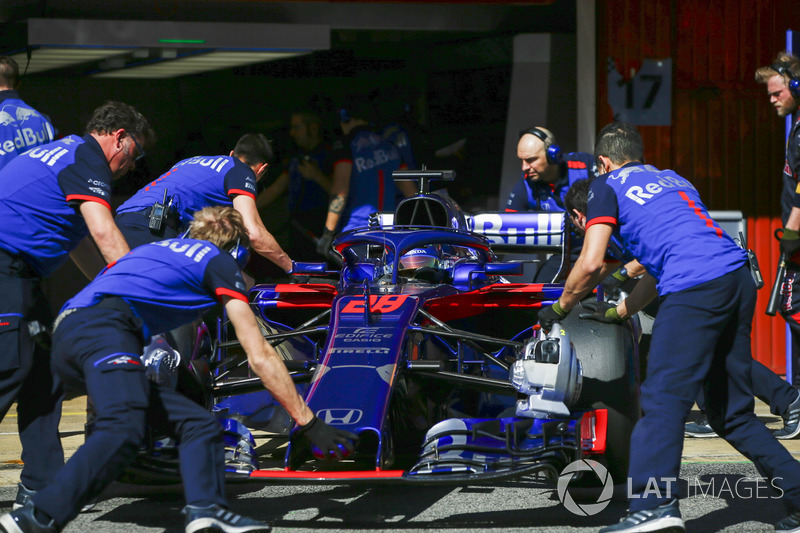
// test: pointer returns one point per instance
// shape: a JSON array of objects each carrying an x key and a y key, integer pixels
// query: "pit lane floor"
[{"x": 724, "y": 496}]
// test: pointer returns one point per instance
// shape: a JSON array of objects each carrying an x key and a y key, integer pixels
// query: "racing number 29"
[{"x": 377, "y": 304}]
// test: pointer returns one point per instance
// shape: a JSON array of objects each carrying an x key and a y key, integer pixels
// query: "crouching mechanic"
[
  {"x": 98, "y": 339},
  {"x": 701, "y": 335}
]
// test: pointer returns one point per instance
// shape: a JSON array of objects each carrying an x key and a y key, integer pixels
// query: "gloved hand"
[
  {"x": 602, "y": 312},
  {"x": 549, "y": 315},
  {"x": 790, "y": 242},
  {"x": 324, "y": 243},
  {"x": 615, "y": 280},
  {"x": 327, "y": 438}
]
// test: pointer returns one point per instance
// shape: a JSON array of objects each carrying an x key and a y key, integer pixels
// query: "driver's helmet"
[{"x": 418, "y": 258}]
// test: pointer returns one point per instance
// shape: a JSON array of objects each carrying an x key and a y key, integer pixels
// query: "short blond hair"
[
  {"x": 785, "y": 65},
  {"x": 220, "y": 225}
]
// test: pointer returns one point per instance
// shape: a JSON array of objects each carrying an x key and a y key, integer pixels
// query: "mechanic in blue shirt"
[
  {"x": 199, "y": 182},
  {"x": 21, "y": 126},
  {"x": 52, "y": 199},
  {"x": 362, "y": 174},
  {"x": 308, "y": 178},
  {"x": 781, "y": 397},
  {"x": 547, "y": 175},
  {"x": 98, "y": 339},
  {"x": 701, "y": 336}
]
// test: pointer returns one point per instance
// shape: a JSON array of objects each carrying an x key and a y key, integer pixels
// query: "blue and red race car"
[{"x": 421, "y": 344}]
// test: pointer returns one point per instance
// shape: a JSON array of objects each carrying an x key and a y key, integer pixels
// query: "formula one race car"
[{"x": 421, "y": 346}]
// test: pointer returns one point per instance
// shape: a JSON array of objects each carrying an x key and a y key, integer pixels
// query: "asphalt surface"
[{"x": 724, "y": 495}]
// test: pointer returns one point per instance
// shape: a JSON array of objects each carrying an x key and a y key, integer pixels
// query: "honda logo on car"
[{"x": 340, "y": 417}]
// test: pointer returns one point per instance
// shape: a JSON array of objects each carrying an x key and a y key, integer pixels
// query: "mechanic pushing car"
[
  {"x": 163, "y": 209},
  {"x": 701, "y": 336},
  {"x": 52, "y": 198},
  {"x": 547, "y": 175},
  {"x": 98, "y": 339}
]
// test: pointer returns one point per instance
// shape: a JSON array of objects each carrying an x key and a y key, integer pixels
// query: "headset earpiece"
[
  {"x": 240, "y": 254},
  {"x": 793, "y": 84},
  {"x": 552, "y": 150},
  {"x": 344, "y": 116}
]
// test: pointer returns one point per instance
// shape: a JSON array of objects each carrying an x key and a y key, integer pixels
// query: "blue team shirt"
[
  {"x": 371, "y": 185},
  {"x": 660, "y": 219},
  {"x": 398, "y": 136},
  {"x": 539, "y": 196},
  {"x": 195, "y": 183},
  {"x": 305, "y": 194},
  {"x": 40, "y": 191},
  {"x": 21, "y": 127},
  {"x": 167, "y": 283}
]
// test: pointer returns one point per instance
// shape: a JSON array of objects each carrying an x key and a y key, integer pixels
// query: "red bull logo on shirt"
[{"x": 379, "y": 157}]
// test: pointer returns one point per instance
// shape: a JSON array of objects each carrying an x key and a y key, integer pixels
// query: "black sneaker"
[
  {"x": 790, "y": 523},
  {"x": 218, "y": 519},
  {"x": 664, "y": 518},
  {"x": 23, "y": 520},
  {"x": 699, "y": 428},
  {"x": 24, "y": 495},
  {"x": 791, "y": 421}
]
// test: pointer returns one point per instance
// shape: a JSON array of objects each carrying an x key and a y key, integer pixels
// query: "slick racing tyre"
[{"x": 607, "y": 353}]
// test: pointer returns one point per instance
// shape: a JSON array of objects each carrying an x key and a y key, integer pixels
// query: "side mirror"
[
  {"x": 308, "y": 269},
  {"x": 503, "y": 269}
]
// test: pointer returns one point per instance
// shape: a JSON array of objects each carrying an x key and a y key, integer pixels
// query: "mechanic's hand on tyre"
[
  {"x": 614, "y": 281},
  {"x": 331, "y": 441},
  {"x": 602, "y": 312},
  {"x": 324, "y": 243},
  {"x": 550, "y": 315}
]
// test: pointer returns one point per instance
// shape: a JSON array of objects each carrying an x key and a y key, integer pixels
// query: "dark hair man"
[
  {"x": 52, "y": 198},
  {"x": 98, "y": 339},
  {"x": 701, "y": 336},
  {"x": 21, "y": 126},
  {"x": 199, "y": 182},
  {"x": 307, "y": 178}
]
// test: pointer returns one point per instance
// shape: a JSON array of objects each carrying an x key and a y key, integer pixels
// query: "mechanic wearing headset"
[
  {"x": 199, "y": 182},
  {"x": 21, "y": 126},
  {"x": 701, "y": 336},
  {"x": 98, "y": 339},
  {"x": 782, "y": 79},
  {"x": 363, "y": 163},
  {"x": 52, "y": 198},
  {"x": 547, "y": 175}
]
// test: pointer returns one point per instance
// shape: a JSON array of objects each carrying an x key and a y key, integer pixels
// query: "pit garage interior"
[{"x": 206, "y": 71}]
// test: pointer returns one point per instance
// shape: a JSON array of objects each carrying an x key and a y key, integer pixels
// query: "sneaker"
[
  {"x": 790, "y": 523},
  {"x": 23, "y": 520},
  {"x": 24, "y": 495},
  {"x": 218, "y": 519},
  {"x": 699, "y": 428},
  {"x": 791, "y": 421},
  {"x": 664, "y": 518}
]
